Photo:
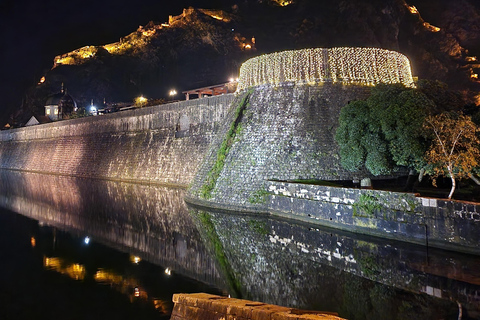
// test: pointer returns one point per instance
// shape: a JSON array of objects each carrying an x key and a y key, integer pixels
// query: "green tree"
[
  {"x": 454, "y": 150},
  {"x": 384, "y": 132}
]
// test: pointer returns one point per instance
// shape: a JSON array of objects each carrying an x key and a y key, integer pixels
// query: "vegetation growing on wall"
[
  {"x": 367, "y": 204},
  {"x": 233, "y": 132},
  {"x": 219, "y": 251}
]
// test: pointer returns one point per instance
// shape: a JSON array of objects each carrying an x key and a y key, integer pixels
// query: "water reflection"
[
  {"x": 149, "y": 220},
  {"x": 296, "y": 265},
  {"x": 252, "y": 257}
]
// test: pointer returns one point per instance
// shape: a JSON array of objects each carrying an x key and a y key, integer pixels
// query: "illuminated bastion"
[{"x": 359, "y": 66}]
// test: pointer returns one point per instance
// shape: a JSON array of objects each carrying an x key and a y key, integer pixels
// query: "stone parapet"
[
  {"x": 446, "y": 224},
  {"x": 202, "y": 306}
]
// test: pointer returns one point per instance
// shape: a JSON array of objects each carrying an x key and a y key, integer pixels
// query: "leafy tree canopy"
[
  {"x": 384, "y": 132},
  {"x": 454, "y": 151}
]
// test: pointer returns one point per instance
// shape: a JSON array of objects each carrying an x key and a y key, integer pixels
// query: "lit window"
[
  {"x": 55, "y": 111},
  {"x": 47, "y": 111}
]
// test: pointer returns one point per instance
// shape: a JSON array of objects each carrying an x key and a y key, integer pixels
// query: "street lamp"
[
  {"x": 172, "y": 93},
  {"x": 93, "y": 109}
]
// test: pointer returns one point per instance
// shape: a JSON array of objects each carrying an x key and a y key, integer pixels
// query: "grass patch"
[
  {"x": 234, "y": 131},
  {"x": 367, "y": 204},
  {"x": 258, "y": 197}
]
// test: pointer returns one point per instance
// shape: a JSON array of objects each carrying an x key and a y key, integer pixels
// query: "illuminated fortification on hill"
[
  {"x": 359, "y": 66},
  {"x": 138, "y": 39}
]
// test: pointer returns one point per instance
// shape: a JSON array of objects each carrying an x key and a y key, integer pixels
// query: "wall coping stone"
[{"x": 203, "y": 306}]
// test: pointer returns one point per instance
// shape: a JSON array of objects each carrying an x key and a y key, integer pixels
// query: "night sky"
[{"x": 33, "y": 32}]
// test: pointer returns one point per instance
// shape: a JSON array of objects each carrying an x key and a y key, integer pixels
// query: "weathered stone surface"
[
  {"x": 402, "y": 216},
  {"x": 136, "y": 145},
  {"x": 198, "y": 306}
]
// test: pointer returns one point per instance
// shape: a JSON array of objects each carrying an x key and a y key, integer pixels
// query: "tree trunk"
[
  {"x": 420, "y": 174},
  {"x": 475, "y": 179},
  {"x": 453, "y": 183},
  {"x": 409, "y": 185}
]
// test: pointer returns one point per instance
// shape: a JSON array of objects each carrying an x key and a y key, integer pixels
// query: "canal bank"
[{"x": 229, "y": 150}]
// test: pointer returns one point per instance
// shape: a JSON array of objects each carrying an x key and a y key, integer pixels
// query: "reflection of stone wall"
[
  {"x": 151, "y": 221},
  {"x": 140, "y": 145},
  {"x": 298, "y": 266}
]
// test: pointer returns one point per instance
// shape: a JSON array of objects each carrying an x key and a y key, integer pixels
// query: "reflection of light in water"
[
  {"x": 129, "y": 287},
  {"x": 103, "y": 276},
  {"x": 161, "y": 306},
  {"x": 75, "y": 271}
]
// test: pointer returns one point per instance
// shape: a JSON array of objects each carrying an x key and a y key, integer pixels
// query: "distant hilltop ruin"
[{"x": 137, "y": 39}]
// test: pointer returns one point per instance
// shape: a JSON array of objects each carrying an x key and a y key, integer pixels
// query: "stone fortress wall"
[
  {"x": 287, "y": 128},
  {"x": 279, "y": 126},
  {"x": 161, "y": 144}
]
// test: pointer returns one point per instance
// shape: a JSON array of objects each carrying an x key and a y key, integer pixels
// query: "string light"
[{"x": 361, "y": 66}]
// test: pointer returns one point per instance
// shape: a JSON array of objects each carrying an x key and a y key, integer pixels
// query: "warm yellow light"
[
  {"x": 284, "y": 3},
  {"x": 42, "y": 80},
  {"x": 474, "y": 76},
  {"x": 75, "y": 271},
  {"x": 172, "y": 92},
  {"x": 360, "y": 66},
  {"x": 135, "y": 259},
  {"x": 471, "y": 59},
  {"x": 247, "y": 46},
  {"x": 431, "y": 28},
  {"x": 168, "y": 271},
  {"x": 412, "y": 9},
  {"x": 33, "y": 242},
  {"x": 108, "y": 277},
  {"x": 137, "y": 292}
]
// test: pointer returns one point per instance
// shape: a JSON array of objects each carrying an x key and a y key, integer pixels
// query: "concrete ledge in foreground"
[{"x": 211, "y": 307}]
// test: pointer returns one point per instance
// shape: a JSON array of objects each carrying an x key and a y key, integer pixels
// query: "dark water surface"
[{"x": 145, "y": 244}]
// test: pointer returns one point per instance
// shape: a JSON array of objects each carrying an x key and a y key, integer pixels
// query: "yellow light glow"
[
  {"x": 284, "y": 3},
  {"x": 431, "y": 28},
  {"x": 135, "y": 259},
  {"x": 360, "y": 66},
  {"x": 33, "y": 242},
  {"x": 412, "y": 9},
  {"x": 75, "y": 271},
  {"x": 42, "y": 80},
  {"x": 471, "y": 59},
  {"x": 108, "y": 277},
  {"x": 149, "y": 33},
  {"x": 474, "y": 76},
  {"x": 247, "y": 46}
]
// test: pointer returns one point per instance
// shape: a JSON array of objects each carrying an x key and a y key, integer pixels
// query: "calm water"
[{"x": 94, "y": 249}]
